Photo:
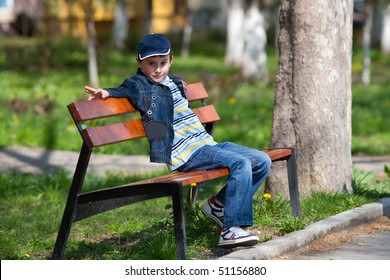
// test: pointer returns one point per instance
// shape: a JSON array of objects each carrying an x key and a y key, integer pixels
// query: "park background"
[{"x": 45, "y": 60}]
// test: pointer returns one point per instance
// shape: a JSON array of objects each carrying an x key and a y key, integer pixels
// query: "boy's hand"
[
  {"x": 184, "y": 85},
  {"x": 96, "y": 93}
]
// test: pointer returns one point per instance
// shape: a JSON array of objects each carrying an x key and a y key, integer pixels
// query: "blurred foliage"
[{"x": 39, "y": 77}]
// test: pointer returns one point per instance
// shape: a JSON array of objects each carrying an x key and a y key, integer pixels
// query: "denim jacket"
[{"x": 155, "y": 103}]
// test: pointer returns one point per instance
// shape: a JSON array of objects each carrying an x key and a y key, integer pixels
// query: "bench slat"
[
  {"x": 187, "y": 178},
  {"x": 113, "y": 133},
  {"x": 278, "y": 154},
  {"x": 127, "y": 130},
  {"x": 95, "y": 109},
  {"x": 198, "y": 176},
  {"x": 196, "y": 91},
  {"x": 206, "y": 114}
]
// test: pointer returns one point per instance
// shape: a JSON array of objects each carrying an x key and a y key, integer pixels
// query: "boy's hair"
[{"x": 152, "y": 45}]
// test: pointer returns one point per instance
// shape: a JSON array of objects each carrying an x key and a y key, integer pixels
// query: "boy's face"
[{"x": 156, "y": 68}]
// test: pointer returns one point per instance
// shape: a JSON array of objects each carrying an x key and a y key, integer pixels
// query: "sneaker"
[
  {"x": 212, "y": 209},
  {"x": 236, "y": 236}
]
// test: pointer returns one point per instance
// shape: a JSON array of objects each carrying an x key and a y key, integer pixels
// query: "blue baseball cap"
[{"x": 153, "y": 44}]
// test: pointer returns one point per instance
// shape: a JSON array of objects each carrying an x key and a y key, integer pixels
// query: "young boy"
[{"x": 178, "y": 139}]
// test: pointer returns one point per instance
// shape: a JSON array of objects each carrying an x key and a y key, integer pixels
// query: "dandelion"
[
  {"x": 15, "y": 119},
  {"x": 267, "y": 196},
  {"x": 27, "y": 255},
  {"x": 193, "y": 185},
  {"x": 232, "y": 100},
  {"x": 72, "y": 127}
]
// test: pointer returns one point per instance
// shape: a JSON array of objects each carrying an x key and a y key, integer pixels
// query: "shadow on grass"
[{"x": 154, "y": 243}]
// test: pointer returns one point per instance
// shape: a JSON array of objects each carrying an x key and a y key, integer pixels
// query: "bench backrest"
[{"x": 95, "y": 134}]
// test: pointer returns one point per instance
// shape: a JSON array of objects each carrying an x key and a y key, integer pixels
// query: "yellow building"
[{"x": 164, "y": 16}]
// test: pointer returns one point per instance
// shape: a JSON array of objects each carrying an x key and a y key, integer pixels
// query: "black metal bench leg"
[
  {"x": 69, "y": 212},
  {"x": 293, "y": 184},
  {"x": 179, "y": 222}
]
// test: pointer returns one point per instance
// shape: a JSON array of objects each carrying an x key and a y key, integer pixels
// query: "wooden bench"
[{"x": 81, "y": 205}]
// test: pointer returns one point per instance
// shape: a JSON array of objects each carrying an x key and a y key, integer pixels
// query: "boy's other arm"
[{"x": 184, "y": 85}]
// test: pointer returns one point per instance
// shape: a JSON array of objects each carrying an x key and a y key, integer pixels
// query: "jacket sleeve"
[{"x": 127, "y": 90}]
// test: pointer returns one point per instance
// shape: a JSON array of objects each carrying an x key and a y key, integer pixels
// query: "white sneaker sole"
[{"x": 246, "y": 241}]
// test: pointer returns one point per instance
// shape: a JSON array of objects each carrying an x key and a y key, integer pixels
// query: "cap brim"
[{"x": 153, "y": 54}]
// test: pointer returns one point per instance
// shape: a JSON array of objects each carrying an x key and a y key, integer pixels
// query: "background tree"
[
  {"x": 367, "y": 31},
  {"x": 120, "y": 28},
  {"x": 313, "y": 94},
  {"x": 385, "y": 36},
  {"x": 235, "y": 39},
  {"x": 91, "y": 37},
  {"x": 188, "y": 28},
  {"x": 254, "y": 58},
  {"x": 92, "y": 57},
  {"x": 148, "y": 16},
  {"x": 246, "y": 38}
]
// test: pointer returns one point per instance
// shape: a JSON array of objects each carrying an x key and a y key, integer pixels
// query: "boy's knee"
[
  {"x": 243, "y": 163},
  {"x": 265, "y": 161}
]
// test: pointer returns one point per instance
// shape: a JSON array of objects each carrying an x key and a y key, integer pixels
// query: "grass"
[{"x": 31, "y": 206}]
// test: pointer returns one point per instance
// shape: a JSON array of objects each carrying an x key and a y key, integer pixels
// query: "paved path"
[
  {"x": 298, "y": 239},
  {"x": 374, "y": 164},
  {"x": 374, "y": 246},
  {"x": 36, "y": 161}
]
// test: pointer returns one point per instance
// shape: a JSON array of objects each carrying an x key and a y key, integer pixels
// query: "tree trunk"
[
  {"x": 187, "y": 32},
  {"x": 385, "y": 38},
  {"x": 254, "y": 57},
  {"x": 92, "y": 59},
  {"x": 367, "y": 30},
  {"x": 120, "y": 26},
  {"x": 235, "y": 38},
  {"x": 148, "y": 16},
  {"x": 313, "y": 96}
]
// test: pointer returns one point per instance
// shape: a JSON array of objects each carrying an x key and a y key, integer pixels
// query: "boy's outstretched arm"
[{"x": 96, "y": 93}]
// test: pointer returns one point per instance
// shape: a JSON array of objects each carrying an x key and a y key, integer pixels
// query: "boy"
[{"x": 178, "y": 139}]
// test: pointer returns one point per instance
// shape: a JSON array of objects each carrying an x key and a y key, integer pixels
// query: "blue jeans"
[{"x": 248, "y": 169}]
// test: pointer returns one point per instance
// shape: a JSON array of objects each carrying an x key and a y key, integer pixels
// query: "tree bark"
[
  {"x": 235, "y": 38},
  {"x": 254, "y": 57},
  {"x": 385, "y": 38},
  {"x": 120, "y": 26},
  {"x": 367, "y": 30},
  {"x": 313, "y": 96},
  {"x": 187, "y": 32},
  {"x": 92, "y": 57}
]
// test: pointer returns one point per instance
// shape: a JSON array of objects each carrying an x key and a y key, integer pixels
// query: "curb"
[{"x": 292, "y": 241}]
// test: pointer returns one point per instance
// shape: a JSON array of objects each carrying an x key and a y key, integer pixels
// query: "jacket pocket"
[{"x": 155, "y": 130}]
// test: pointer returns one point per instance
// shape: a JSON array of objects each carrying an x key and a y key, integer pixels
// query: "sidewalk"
[
  {"x": 340, "y": 222},
  {"x": 38, "y": 161}
]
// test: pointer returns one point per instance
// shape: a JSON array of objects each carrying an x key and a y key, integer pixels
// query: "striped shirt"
[{"x": 190, "y": 134}]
